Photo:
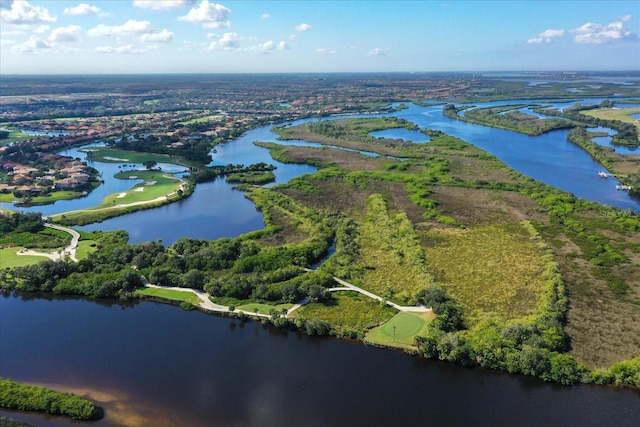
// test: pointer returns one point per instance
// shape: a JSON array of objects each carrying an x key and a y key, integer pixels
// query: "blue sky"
[{"x": 204, "y": 36}]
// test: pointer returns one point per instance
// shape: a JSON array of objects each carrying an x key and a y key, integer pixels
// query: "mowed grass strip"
[
  {"x": 622, "y": 114},
  {"x": 264, "y": 308},
  {"x": 111, "y": 155},
  {"x": 155, "y": 185},
  {"x": 9, "y": 258},
  {"x": 171, "y": 294},
  {"x": 401, "y": 330},
  {"x": 495, "y": 269}
]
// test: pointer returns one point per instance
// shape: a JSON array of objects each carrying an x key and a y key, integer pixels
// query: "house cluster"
[{"x": 49, "y": 172}]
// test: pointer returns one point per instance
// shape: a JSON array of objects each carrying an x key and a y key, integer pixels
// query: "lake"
[{"x": 151, "y": 364}]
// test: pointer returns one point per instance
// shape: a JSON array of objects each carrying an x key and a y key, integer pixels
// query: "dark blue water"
[
  {"x": 605, "y": 141},
  {"x": 157, "y": 365}
]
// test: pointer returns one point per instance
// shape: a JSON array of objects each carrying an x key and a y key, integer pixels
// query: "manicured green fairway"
[
  {"x": 10, "y": 258},
  {"x": 400, "y": 330},
  {"x": 111, "y": 155},
  {"x": 622, "y": 114},
  {"x": 264, "y": 308},
  {"x": 171, "y": 294}
]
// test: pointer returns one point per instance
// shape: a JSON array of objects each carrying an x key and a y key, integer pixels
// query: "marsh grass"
[
  {"x": 390, "y": 252},
  {"x": 349, "y": 313},
  {"x": 491, "y": 270}
]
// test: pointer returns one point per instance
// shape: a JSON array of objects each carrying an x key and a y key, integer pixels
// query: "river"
[{"x": 151, "y": 364}]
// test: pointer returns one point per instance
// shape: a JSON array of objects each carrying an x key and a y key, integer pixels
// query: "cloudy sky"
[{"x": 202, "y": 36}]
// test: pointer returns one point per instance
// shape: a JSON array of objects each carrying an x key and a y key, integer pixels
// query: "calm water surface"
[{"x": 156, "y": 365}]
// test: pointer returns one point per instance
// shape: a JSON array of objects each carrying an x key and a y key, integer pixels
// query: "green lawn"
[
  {"x": 155, "y": 184},
  {"x": 111, "y": 155},
  {"x": 622, "y": 114},
  {"x": 401, "y": 330},
  {"x": 9, "y": 258},
  {"x": 85, "y": 248},
  {"x": 171, "y": 294},
  {"x": 263, "y": 308}
]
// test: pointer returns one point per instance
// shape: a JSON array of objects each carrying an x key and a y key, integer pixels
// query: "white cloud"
[
  {"x": 40, "y": 29},
  {"x": 162, "y": 4},
  {"x": 380, "y": 51},
  {"x": 303, "y": 27},
  {"x": 128, "y": 28},
  {"x": 22, "y": 13},
  {"x": 592, "y": 33},
  {"x": 65, "y": 34},
  {"x": 323, "y": 51},
  {"x": 270, "y": 46},
  {"x": 164, "y": 36},
  {"x": 210, "y": 15},
  {"x": 546, "y": 36},
  {"x": 265, "y": 16},
  {"x": 82, "y": 9},
  {"x": 124, "y": 49},
  {"x": 228, "y": 41},
  {"x": 31, "y": 46}
]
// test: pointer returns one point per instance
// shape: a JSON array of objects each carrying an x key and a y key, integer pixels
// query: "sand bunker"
[
  {"x": 121, "y": 195},
  {"x": 139, "y": 189},
  {"x": 150, "y": 183},
  {"x": 115, "y": 159}
]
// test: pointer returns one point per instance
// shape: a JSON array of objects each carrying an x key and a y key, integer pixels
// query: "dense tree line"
[
  {"x": 23, "y": 397},
  {"x": 18, "y": 222},
  {"x": 532, "y": 346},
  {"x": 507, "y": 118},
  {"x": 627, "y": 133}
]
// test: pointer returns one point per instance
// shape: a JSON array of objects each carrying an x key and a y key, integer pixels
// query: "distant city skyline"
[{"x": 203, "y": 36}]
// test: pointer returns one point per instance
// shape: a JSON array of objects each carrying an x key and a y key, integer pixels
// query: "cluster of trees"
[
  {"x": 23, "y": 397},
  {"x": 195, "y": 150},
  {"x": 531, "y": 346},
  {"x": 18, "y": 222},
  {"x": 627, "y": 133}
]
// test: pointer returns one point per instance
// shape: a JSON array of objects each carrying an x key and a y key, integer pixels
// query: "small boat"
[
  {"x": 603, "y": 175},
  {"x": 623, "y": 187}
]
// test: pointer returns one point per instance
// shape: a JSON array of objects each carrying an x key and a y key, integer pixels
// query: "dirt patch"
[
  {"x": 474, "y": 170},
  {"x": 288, "y": 234},
  {"x": 334, "y": 195},
  {"x": 473, "y": 206},
  {"x": 347, "y": 160}
]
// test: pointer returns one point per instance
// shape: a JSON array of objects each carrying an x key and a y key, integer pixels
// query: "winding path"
[
  {"x": 56, "y": 256},
  {"x": 349, "y": 286}
]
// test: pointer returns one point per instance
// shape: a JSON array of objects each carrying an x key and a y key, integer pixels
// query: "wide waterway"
[{"x": 151, "y": 364}]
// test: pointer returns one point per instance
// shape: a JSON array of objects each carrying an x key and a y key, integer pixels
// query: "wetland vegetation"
[{"x": 520, "y": 276}]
